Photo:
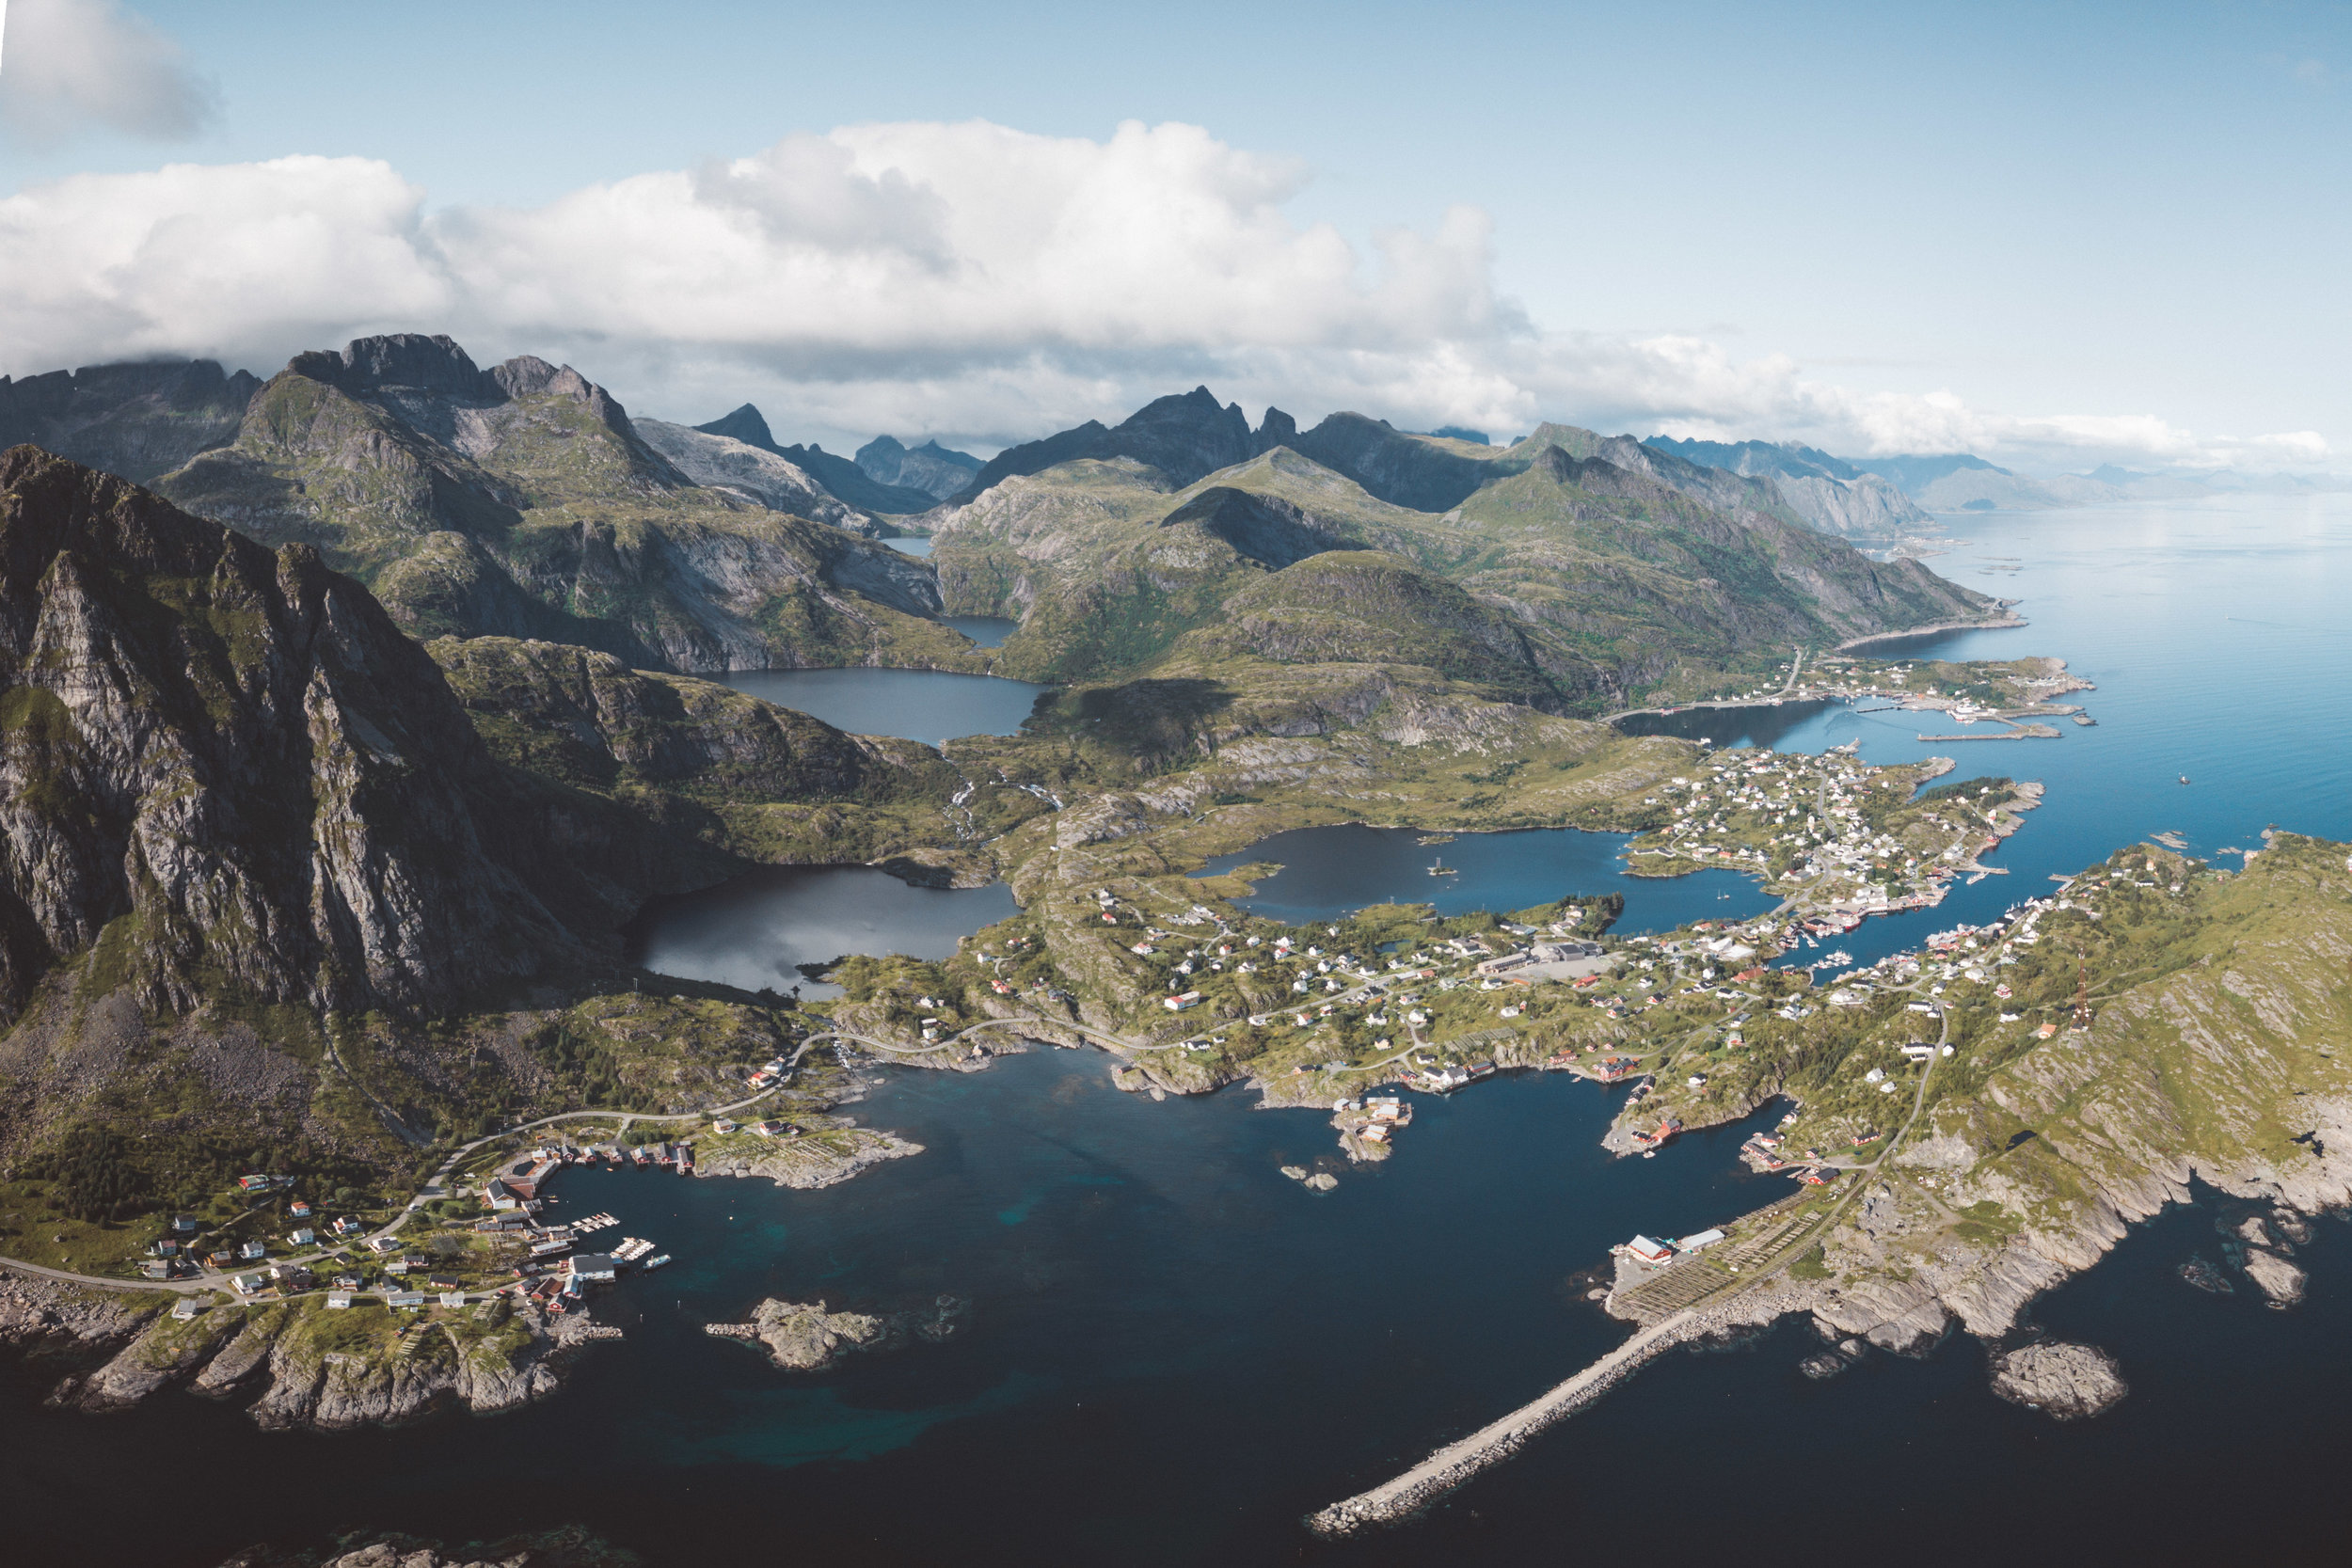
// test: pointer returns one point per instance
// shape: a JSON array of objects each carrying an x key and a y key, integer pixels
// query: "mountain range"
[
  {"x": 1876, "y": 496},
  {"x": 334, "y": 756},
  {"x": 1567, "y": 570},
  {"x": 1833, "y": 495}
]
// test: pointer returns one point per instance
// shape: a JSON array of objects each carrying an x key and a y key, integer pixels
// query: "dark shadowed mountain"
[
  {"x": 937, "y": 471},
  {"x": 232, "y": 774},
  {"x": 1183, "y": 435},
  {"x": 135, "y": 420}
]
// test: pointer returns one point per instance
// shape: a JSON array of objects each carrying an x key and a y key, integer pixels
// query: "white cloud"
[
  {"x": 242, "y": 261},
  {"x": 66, "y": 65},
  {"x": 964, "y": 279}
]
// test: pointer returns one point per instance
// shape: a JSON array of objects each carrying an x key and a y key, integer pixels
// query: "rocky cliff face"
[
  {"x": 135, "y": 420},
  {"x": 226, "y": 769},
  {"x": 838, "y": 475},
  {"x": 723, "y": 463},
  {"x": 520, "y": 501},
  {"x": 301, "y": 1365}
]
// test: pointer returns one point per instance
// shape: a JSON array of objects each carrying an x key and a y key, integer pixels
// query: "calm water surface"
[
  {"x": 914, "y": 705},
  {"x": 753, "y": 932},
  {"x": 2212, "y": 632},
  {"x": 1329, "y": 871},
  {"x": 989, "y": 631},
  {"x": 1173, "y": 1353}
]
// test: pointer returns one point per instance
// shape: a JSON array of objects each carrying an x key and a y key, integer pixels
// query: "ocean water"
[
  {"x": 1174, "y": 1353},
  {"x": 2214, "y": 633}
]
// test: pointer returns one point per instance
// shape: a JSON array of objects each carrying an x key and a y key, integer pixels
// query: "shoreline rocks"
[
  {"x": 2066, "y": 1381},
  {"x": 808, "y": 1163},
  {"x": 804, "y": 1336},
  {"x": 484, "y": 1365}
]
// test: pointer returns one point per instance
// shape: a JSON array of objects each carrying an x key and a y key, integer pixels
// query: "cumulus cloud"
[
  {"x": 66, "y": 65},
  {"x": 965, "y": 279}
]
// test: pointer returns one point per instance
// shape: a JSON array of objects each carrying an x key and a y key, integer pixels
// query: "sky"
[{"x": 2053, "y": 235}]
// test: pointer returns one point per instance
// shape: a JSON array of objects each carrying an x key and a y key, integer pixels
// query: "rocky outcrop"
[
  {"x": 723, "y": 463},
  {"x": 1183, "y": 436},
  {"x": 833, "y": 1154},
  {"x": 2066, "y": 1381},
  {"x": 804, "y": 1337},
  {"x": 314, "y": 1367},
  {"x": 50, "y": 1316}
]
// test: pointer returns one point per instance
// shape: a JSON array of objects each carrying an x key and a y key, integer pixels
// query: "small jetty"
[
  {"x": 1457, "y": 1462},
  {"x": 593, "y": 1223}
]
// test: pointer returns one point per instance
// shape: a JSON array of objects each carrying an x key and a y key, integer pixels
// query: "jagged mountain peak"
[{"x": 745, "y": 424}]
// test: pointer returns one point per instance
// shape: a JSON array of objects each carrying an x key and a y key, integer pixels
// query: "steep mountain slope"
[
  {"x": 838, "y": 475},
  {"x": 520, "y": 501},
  {"x": 267, "y": 901},
  {"x": 723, "y": 463},
  {"x": 135, "y": 420},
  {"x": 229, "y": 774},
  {"x": 1828, "y": 492},
  {"x": 1639, "y": 576},
  {"x": 938, "y": 471}
]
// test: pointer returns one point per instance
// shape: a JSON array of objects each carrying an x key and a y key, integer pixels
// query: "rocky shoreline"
[
  {"x": 807, "y": 1163},
  {"x": 804, "y": 1336},
  {"x": 297, "y": 1373}
]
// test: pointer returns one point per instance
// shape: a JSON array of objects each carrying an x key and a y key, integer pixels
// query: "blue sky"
[{"x": 2058, "y": 233}]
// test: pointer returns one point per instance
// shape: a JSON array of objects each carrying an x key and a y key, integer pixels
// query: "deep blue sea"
[{"x": 1173, "y": 1353}]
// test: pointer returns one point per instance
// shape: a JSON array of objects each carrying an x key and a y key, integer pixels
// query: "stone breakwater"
[{"x": 1457, "y": 1462}]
